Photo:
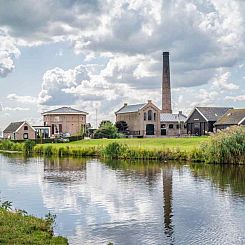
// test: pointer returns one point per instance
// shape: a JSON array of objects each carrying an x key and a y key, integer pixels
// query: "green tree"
[
  {"x": 106, "y": 130},
  {"x": 122, "y": 127}
]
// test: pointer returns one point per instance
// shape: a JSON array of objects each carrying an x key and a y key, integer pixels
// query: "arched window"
[
  {"x": 150, "y": 115},
  {"x": 144, "y": 116}
]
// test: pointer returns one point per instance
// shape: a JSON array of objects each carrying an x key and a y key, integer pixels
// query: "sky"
[{"x": 96, "y": 55}]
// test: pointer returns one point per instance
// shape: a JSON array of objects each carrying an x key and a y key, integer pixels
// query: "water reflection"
[
  {"x": 167, "y": 202},
  {"x": 64, "y": 169},
  {"x": 148, "y": 171},
  {"x": 225, "y": 177},
  {"x": 129, "y": 202}
]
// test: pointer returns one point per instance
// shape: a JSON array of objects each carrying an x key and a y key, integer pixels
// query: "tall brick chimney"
[{"x": 166, "y": 89}]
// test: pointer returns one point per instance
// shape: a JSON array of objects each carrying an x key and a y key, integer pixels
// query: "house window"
[
  {"x": 163, "y": 125},
  {"x": 52, "y": 129},
  {"x": 149, "y": 115},
  {"x": 155, "y": 116},
  {"x": 25, "y": 127},
  {"x": 170, "y": 126},
  {"x": 144, "y": 116},
  {"x": 177, "y": 126},
  {"x": 60, "y": 128},
  {"x": 25, "y": 136}
]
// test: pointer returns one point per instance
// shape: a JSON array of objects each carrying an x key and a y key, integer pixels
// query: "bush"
[
  {"x": 115, "y": 150},
  {"x": 28, "y": 146},
  {"x": 227, "y": 146},
  {"x": 106, "y": 130}
]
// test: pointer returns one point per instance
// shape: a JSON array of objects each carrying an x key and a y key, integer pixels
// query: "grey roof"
[
  {"x": 231, "y": 117},
  {"x": 213, "y": 113},
  {"x": 169, "y": 117},
  {"x": 12, "y": 127},
  {"x": 131, "y": 108},
  {"x": 65, "y": 110}
]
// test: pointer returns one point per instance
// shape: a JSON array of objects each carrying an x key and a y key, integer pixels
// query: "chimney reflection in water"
[{"x": 167, "y": 202}]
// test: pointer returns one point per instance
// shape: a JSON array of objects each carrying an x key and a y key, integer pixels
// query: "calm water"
[{"x": 130, "y": 203}]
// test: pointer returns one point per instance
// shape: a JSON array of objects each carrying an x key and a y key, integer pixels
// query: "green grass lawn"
[
  {"x": 16, "y": 228},
  {"x": 145, "y": 143}
]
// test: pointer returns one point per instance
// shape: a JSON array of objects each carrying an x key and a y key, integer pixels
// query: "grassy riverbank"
[
  {"x": 150, "y": 148},
  {"x": 227, "y": 146},
  {"x": 18, "y": 228}
]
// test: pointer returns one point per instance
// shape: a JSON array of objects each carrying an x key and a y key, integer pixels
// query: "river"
[{"x": 97, "y": 202}]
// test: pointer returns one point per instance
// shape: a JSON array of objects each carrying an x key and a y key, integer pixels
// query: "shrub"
[
  {"x": 7, "y": 145},
  {"x": 227, "y": 146},
  {"x": 28, "y": 146},
  {"x": 106, "y": 130},
  {"x": 114, "y": 150}
]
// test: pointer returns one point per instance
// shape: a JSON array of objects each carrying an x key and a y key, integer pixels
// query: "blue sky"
[{"x": 99, "y": 54}]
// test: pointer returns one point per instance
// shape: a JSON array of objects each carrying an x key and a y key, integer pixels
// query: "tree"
[
  {"x": 106, "y": 130},
  {"x": 104, "y": 122},
  {"x": 122, "y": 127}
]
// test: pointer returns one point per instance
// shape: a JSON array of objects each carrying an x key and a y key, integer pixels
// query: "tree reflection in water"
[{"x": 226, "y": 177}]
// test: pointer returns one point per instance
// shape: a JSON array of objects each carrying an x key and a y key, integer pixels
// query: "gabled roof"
[
  {"x": 169, "y": 117},
  {"x": 213, "y": 113},
  {"x": 131, "y": 108},
  {"x": 15, "y": 126},
  {"x": 64, "y": 110},
  {"x": 210, "y": 113},
  {"x": 232, "y": 117},
  {"x": 12, "y": 127}
]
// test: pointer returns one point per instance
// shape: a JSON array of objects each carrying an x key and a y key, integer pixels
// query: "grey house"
[
  {"x": 230, "y": 118},
  {"x": 201, "y": 120}
]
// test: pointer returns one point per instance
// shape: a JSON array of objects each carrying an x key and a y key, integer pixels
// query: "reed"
[
  {"x": 11, "y": 146},
  {"x": 226, "y": 146}
]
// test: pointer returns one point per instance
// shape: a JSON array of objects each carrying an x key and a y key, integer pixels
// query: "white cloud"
[
  {"x": 22, "y": 99},
  {"x": 16, "y": 109},
  {"x": 8, "y": 52},
  {"x": 126, "y": 38},
  {"x": 221, "y": 81},
  {"x": 80, "y": 87},
  {"x": 200, "y": 34},
  {"x": 236, "y": 98}
]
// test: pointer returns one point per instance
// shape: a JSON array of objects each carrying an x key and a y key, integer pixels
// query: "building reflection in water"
[
  {"x": 168, "y": 202},
  {"x": 64, "y": 169}
]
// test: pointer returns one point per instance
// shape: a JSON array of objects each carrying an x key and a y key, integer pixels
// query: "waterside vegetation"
[
  {"x": 145, "y": 149},
  {"x": 17, "y": 227},
  {"x": 227, "y": 146}
]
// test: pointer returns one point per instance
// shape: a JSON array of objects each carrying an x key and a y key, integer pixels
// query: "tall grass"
[
  {"x": 112, "y": 150},
  {"x": 122, "y": 151},
  {"x": 8, "y": 145},
  {"x": 227, "y": 146}
]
